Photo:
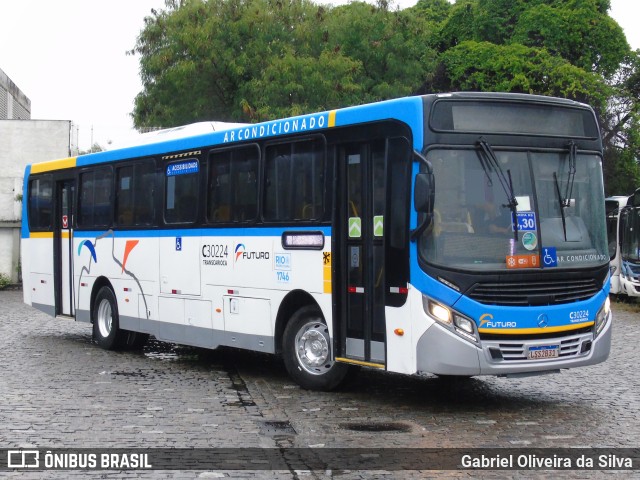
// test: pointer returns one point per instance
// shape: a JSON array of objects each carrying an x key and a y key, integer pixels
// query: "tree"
[
  {"x": 295, "y": 84},
  {"x": 250, "y": 60},
  {"x": 391, "y": 46},
  {"x": 484, "y": 66},
  {"x": 621, "y": 126},
  {"x": 577, "y": 31}
]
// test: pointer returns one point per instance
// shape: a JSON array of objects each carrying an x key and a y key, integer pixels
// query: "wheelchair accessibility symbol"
[{"x": 549, "y": 257}]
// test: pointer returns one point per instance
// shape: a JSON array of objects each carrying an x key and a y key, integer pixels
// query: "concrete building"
[
  {"x": 14, "y": 105},
  {"x": 23, "y": 141}
]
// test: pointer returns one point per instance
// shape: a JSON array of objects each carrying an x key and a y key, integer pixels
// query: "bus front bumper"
[
  {"x": 441, "y": 352},
  {"x": 629, "y": 287}
]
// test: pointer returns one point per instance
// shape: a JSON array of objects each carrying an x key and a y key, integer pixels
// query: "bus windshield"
[{"x": 523, "y": 209}]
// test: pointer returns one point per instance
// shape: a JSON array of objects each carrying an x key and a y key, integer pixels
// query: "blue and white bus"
[
  {"x": 629, "y": 243},
  {"x": 453, "y": 234},
  {"x": 613, "y": 207}
]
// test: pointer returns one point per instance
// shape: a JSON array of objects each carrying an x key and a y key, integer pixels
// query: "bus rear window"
[{"x": 512, "y": 118}]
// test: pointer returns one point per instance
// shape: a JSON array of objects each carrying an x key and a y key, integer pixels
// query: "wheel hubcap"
[
  {"x": 105, "y": 318},
  {"x": 312, "y": 348}
]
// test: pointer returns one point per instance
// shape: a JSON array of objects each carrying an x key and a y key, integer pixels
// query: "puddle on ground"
[{"x": 376, "y": 427}]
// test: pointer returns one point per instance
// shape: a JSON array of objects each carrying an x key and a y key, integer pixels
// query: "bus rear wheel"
[
  {"x": 307, "y": 352},
  {"x": 105, "y": 319},
  {"x": 106, "y": 325}
]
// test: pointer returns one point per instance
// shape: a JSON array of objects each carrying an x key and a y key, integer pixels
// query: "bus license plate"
[{"x": 544, "y": 351}]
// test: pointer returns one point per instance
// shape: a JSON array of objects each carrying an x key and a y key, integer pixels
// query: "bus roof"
[{"x": 204, "y": 134}]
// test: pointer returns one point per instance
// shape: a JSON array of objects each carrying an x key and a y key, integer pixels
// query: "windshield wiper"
[
  {"x": 573, "y": 153},
  {"x": 561, "y": 205},
  {"x": 490, "y": 162},
  {"x": 565, "y": 202},
  {"x": 487, "y": 169}
]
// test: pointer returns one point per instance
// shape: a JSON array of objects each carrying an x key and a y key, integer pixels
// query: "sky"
[{"x": 69, "y": 58}]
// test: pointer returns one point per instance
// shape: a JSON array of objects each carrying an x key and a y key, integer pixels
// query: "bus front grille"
[
  {"x": 515, "y": 351},
  {"x": 547, "y": 292}
]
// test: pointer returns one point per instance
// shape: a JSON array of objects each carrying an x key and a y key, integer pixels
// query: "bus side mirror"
[{"x": 424, "y": 193}]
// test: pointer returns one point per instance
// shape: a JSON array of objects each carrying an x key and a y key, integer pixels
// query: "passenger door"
[
  {"x": 372, "y": 238},
  {"x": 63, "y": 247}
]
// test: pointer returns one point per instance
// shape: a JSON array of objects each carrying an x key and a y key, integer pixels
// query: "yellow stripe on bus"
[
  {"x": 63, "y": 234},
  {"x": 359, "y": 362},
  {"x": 326, "y": 272},
  {"x": 332, "y": 118},
  {"x": 53, "y": 165},
  {"x": 521, "y": 331}
]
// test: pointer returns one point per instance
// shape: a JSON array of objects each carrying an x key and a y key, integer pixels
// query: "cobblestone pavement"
[{"x": 58, "y": 390}]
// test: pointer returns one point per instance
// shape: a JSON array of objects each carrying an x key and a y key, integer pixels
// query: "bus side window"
[
  {"x": 181, "y": 191},
  {"x": 232, "y": 186},
  {"x": 295, "y": 181},
  {"x": 94, "y": 198},
  {"x": 135, "y": 191},
  {"x": 144, "y": 181},
  {"x": 218, "y": 198},
  {"x": 40, "y": 204},
  {"x": 124, "y": 196}
]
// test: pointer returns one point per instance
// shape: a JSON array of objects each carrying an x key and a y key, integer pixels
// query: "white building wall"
[{"x": 23, "y": 142}]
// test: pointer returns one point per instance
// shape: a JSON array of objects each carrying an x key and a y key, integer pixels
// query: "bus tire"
[
  {"x": 106, "y": 331},
  {"x": 307, "y": 352}
]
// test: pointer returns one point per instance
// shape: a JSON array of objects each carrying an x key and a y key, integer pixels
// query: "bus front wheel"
[
  {"x": 307, "y": 352},
  {"x": 106, "y": 331}
]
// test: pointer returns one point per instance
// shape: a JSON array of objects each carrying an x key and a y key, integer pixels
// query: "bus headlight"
[
  {"x": 463, "y": 326},
  {"x": 437, "y": 311},
  {"x": 602, "y": 316}
]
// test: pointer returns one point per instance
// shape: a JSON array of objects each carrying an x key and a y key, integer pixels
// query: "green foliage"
[
  {"x": 5, "y": 281},
  {"x": 484, "y": 66},
  {"x": 621, "y": 172},
  {"x": 579, "y": 31},
  {"x": 432, "y": 11},
  {"x": 575, "y": 31},
  {"x": 294, "y": 85},
  {"x": 250, "y": 60}
]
